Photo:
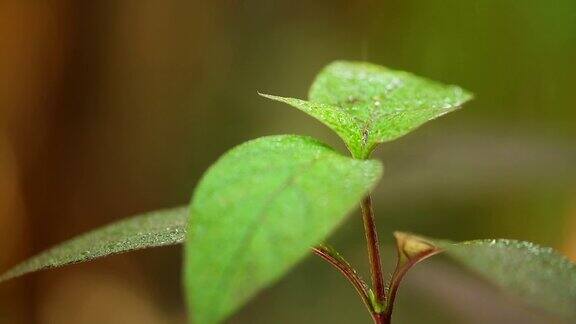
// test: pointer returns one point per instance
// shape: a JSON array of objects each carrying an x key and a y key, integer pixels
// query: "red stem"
[
  {"x": 348, "y": 272},
  {"x": 373, "y": 247},
  {"x": 399, "y": 273}
]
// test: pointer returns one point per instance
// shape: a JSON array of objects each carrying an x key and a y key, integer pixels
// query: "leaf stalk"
[{"x": 348, "y": 272}]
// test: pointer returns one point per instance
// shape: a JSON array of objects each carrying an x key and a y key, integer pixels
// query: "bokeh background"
[{"x": 111, "y": 108}]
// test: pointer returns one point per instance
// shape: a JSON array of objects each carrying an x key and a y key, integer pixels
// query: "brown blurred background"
[{"x": 110, "y": 108}]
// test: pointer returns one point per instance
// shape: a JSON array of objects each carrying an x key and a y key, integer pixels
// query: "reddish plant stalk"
[
  {"x": 348, "y": 272},
  {"x": 373, "y": 247},
  {"x": 377, "y": 302}
]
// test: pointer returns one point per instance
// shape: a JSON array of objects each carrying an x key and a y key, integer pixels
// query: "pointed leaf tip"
[
  {"x": 153, "y": 229},
  {"x": 368, "y": 104}
]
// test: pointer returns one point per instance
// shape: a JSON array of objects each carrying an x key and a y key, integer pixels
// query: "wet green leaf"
[
  {"x": 258, "y": 210},
  {"x": 367, "y": 104},
  {"x": 159, "y": 228},
  {"x": 541, "y": 276}
]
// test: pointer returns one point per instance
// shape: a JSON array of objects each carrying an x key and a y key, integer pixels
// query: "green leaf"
[
  {"x": 159, "y": 228},
  {"x": 367, "y": 104},
  {"x": 538, "y": 275},
  {"x": 258, "y": 211}
]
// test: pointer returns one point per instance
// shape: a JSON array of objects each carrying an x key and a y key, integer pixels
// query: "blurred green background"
[{"x": 110, "y": 108}]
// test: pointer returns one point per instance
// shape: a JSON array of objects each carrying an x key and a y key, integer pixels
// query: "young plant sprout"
[{"x": 267, "y": 203}]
